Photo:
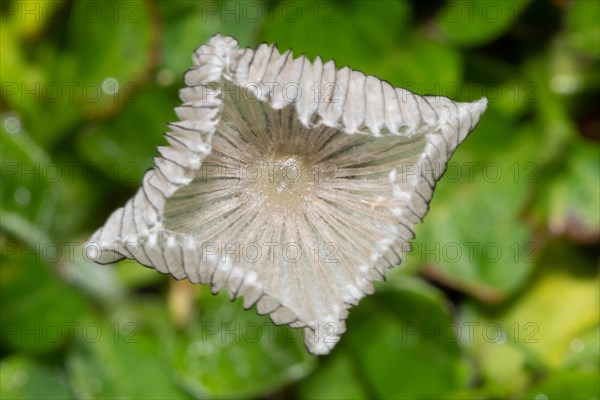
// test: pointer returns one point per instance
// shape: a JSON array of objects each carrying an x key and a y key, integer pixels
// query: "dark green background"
[{"x": 499, "y": 299}]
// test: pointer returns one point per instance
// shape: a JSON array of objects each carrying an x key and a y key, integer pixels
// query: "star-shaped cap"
[{"x": 292, "y": 183}]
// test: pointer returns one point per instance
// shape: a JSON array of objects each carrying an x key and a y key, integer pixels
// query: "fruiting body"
[{"x": 290, "y": 183}]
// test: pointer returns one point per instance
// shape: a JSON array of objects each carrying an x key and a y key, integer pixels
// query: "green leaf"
[
  {"x": 503, "y": 364},
  {"x": 403, "y": 345},
  {"x": 585, "y": 349},
  {"x": 570, "y": 201},
  {"x": 513, "y": 98},
  {"x": 134, "y": 275},
  {"x": 405, "y": 59},
  {"x": 28, "y": 199},
  {"x": 189, "y": 24},
  {"x": 553, "y": 120},
  {"x": 539, "y": 332},
  {"x": 559, "y": 322},
  {"x": 51, "y": 105},
  {"x": 102, "y": 35},
  {"x": 336, "y": 31},
  {"x": 120, "y": 360},
  {"x": 232, "y": 353},
  {"x": 37, "y": 193},
  {"x": 52, "y": 85},
  {"x": 131, "y": 137},
  {"x": 567, "y": 385},
  {"x": 24, "y": 378},
  {"x": 582, "y": 27},
  {"x": 39, "y": 312},
  {"x": 473, "y": 23},
  {"x": 415, "y": 65},
  {"x": 97, "y": 281},
  {"x": 473, "y": 238},
  {"x": 335, "y": 378}
]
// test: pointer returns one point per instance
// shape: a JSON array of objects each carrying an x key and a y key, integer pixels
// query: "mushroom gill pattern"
[{"x": 291, "y": 183}]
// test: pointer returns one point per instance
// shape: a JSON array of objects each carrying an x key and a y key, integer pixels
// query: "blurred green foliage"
[{"x": 498, "y": 299}]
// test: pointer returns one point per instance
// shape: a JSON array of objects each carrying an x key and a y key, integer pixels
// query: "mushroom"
[{"x": 291, "y": 183}]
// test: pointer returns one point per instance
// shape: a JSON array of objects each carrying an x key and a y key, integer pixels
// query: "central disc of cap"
[{"x": 285, "y": 181}]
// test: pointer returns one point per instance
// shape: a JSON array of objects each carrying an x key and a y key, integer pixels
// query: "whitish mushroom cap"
[{"x": 291, "y": 183}]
